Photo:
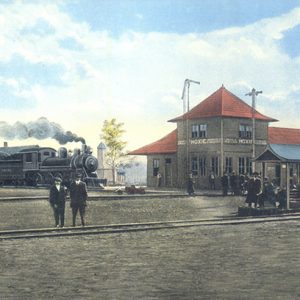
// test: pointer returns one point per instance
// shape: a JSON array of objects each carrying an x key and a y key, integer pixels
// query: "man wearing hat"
[
  {"x": 254, "y": 190},
  {"x": 57, "y": 199},
  {"x": 78, "y": 195}
]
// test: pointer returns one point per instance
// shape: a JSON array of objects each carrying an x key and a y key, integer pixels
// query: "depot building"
[{"x": 215, "y": 136}]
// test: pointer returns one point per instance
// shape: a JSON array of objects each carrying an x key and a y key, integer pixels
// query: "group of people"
[
  {"x": 272, "y": 193},
  {"x": 78, "y": 195},
  {"x": 256, "y": 191},
  {"x": 232, "y": 183}
]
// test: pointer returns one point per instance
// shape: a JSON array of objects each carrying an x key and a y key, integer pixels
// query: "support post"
[
  {"x": 186, "y": 96},
  {"x": 287, "y": 185},
  {"x": 253, "y": 94}
]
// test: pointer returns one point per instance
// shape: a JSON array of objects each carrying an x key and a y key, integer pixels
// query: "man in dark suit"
[
  {"x": 233, "y": 183},
  {"x": 224, "y": 183},
  {"x": 257, "y": 188},
  {"x": 57, "y": 199},
  {"x": 190, "y": 185},
  {"x": 78, "y": 195},
  {"x": 254, "y": 191}
]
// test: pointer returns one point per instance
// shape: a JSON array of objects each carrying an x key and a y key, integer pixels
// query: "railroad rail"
[
  {"x": 134, "y": 227},
  {"x": 98, "y": 197}
]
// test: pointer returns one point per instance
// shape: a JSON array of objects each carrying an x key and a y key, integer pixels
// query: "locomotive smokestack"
[{"x": 40, "y": 129}]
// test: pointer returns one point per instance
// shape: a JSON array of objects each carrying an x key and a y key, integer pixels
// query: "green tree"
[{"x": 112, "y": 132}]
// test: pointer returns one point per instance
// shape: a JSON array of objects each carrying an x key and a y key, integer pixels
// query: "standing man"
[
  {"x": 190, "y": 185},
  {"x": 57, "y": 199},
  {"x": 211, "y": 180},
  {"x": 78, "y": 195},
  {"x": 224, "y": 182},
  {"x": 159, "y": 179},
  {"x": 233, "y": 183},
  {"x": 254, "y": 190},
  {"x": 257, "y": 188}
]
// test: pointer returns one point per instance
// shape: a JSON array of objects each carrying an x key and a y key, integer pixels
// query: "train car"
[{"x": 33, "y": 165}]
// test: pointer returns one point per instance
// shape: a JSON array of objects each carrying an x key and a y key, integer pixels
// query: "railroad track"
[
  {"x": 94, "y": 197},
  {"x": 133, "y": 227}
]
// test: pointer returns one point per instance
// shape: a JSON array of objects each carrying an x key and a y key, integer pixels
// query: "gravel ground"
[
  {"x": 42, "y": 191},
  {"x": 38, "y": 213},
  {"x": 257, "y": 261},
  {"x": 247, "y": 261},
  {"x": 16, "y": 192}
]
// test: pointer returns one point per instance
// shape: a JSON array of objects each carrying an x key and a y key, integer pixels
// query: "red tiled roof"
[
  {"x": 167, "y": 144},
  {"x": 279, "y": 135},
  {"x": 222, "y": 103}
]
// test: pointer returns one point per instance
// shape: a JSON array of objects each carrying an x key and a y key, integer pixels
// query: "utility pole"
[
  {"x": 186, "y": 106},
  {"x": 253, "y": 94}
]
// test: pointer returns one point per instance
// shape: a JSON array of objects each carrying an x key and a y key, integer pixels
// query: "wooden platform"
[{"x": 249, "y": 211}]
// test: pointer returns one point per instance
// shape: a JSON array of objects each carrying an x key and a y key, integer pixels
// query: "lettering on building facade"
[
  {"x": 205, "y": 141},
  {"x": 226, "y": 141}
]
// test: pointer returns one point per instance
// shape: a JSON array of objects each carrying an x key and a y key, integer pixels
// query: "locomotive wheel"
[
  {"x": 91, "y": 163},
  {"x": 32, "y": 179},
  {"x": 48, "y": 178},
  {"x": 21, "y": 182},
  {"x": 39, "y": 179}
]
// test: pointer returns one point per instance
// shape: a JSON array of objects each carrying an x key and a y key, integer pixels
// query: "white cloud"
[
  {"x": 138, "y": 77},
  {"x": 139, "y": 16},
  {"x": 11, "y": 82}
]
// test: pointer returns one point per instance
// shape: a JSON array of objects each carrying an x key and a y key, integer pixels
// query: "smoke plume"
[{"x": 40, "y": 129}]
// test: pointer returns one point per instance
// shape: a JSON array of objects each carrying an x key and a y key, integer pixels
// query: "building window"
[
  {"x": 155, "y": 166},
  {"x": 168, "y": 160},
  {"x": 248, "y": 165},
  {"x": 28, "y": 157},
  {"x": 202, "y": 166},
  {"x": 215, "y": 165},
  {"x": 245, "y": 165},
  {"x": 228, "y": 165},
  {"x": 203, "y": 130},
  {"x": 195, "y": 131},
  {"x": 199, "y": 131},
  {"x": 195, "y": 166},
  {"x": 242, "y": 165},
  {"x": 245, "y": 131}
]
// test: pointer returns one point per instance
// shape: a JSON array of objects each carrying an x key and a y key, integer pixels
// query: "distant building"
[
  {"x": 135, "y": 173},
  {"x": 104, "y": 171},
  {"x": 126, "y": 174},
  {"x": 220, "y": 138}
]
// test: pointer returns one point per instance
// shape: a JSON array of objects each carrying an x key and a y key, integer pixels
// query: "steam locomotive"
[{"x": 33, "y": 165}]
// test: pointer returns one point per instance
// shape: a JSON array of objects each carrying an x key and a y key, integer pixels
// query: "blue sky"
[
  {"x": 177, "y": 16},
  {"x": 78, "y": 63}
]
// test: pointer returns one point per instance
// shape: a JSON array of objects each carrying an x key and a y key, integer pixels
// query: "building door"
[{"x": 168, "y": 172}]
